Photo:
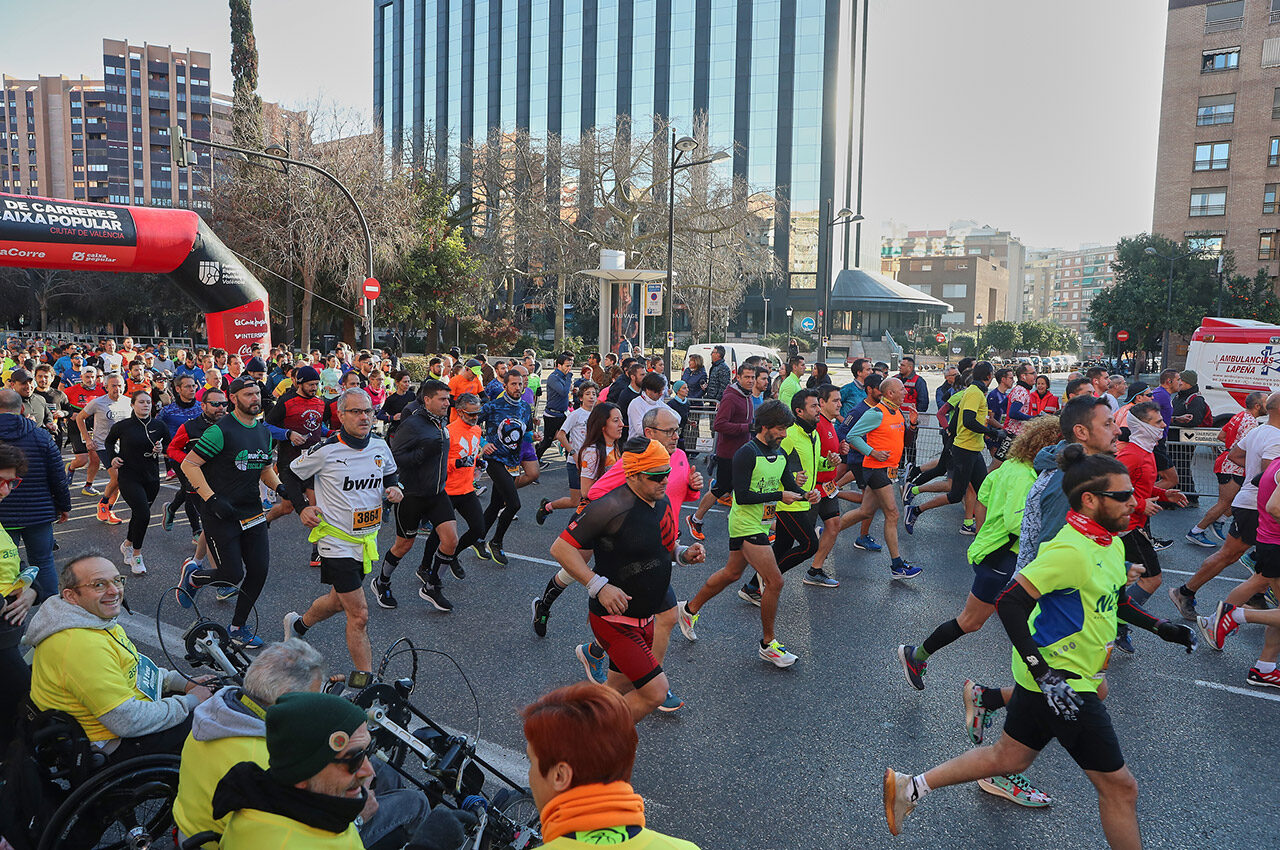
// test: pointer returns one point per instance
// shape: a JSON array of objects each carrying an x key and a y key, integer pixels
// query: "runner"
[
  {"x": 224, "y": 469},
  {"x": 633, "y": 538},
  {"x": 572, "y": 433},
  {"x": 760, "y": 479},
  {"x": 828, "y": 472},
  {"x": 1080, "y": 570},
  {"x": 296, "y": 421},
  {"x": 54, "y": 398},
  {"x": 104, "y": 411},
  {"x": 732, "y": 427},
  {"x": 1230, "y": 475},
  {"x": 213, "y": 407},
  {"x": 421, "y": 447},
  {"x": 345, "y": 477},
  {"x": 78, "y": 397},
  {"x": 509, "y": 460},
  {"x": 132, "y": 448}
]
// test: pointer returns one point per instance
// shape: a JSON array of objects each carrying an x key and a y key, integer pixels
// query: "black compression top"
[{"x": 140, "y": 443}]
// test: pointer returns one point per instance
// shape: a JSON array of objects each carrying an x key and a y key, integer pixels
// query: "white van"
[
  {"x": 734, "y": 353},
  {"x": 1232, "y": 358}
]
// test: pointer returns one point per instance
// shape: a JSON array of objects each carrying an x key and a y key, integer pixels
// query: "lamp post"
[
  {"x": 1168, "y": 307},
  {"x": 846, "y": 216},
  {"x": 711, "y": 241},
  {"x": 679, "y": 147},
  {"x": 977, "y": 345},
  {"x": 790, "y": 328},
  {"x": 765, "y": 333}
]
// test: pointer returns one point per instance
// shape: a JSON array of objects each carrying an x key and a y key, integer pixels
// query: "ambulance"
[{"x": 1232, "y": 358}]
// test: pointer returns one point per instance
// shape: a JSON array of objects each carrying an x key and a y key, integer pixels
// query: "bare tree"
[{"x": 45, "y": 288}]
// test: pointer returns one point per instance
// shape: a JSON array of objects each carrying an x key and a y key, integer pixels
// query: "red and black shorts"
[{"x": 630, "y": 648}]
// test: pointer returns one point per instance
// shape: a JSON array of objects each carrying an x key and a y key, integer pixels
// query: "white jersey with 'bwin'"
[{"x": 349, "y": 486}]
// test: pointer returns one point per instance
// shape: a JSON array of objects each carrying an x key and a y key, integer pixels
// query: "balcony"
[
  {"x": 1228, "y": 24},
  {"x": 1208, "y": 209},
  {"x": 1203, "y": 165},
  {"x": 1275, "y": 18}
]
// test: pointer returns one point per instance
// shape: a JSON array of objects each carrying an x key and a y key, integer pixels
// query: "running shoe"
[
  {"x": 1016, "y": 788},
  {"x": 597, "y": 668},
  {"x": 102, "y": 512},
  {"x": 499, "y": 557},
  {"x": 1217, "y": 626},
  {"x": 138, "y": 568},
  {"x": 747, "y": 593},
  {"x": 1263, "y": 680},
  {"x": 289, "y": 619},
  {"x": 671, "y": 703},
  {"x": 969, "y": 528},
  {"x": 905, "y": 572},
  {"x": 726, "y": 500},
  {"x": 186, "y": 591},
  {"x": 819, "y": 579},
  {"x": 434, "y": 594},
  {"x": 225, "y": 592},
  {"x": 912, "y": 669},
  {"x": 695, "y": 527},
  {"x": 976, "y": 718},
  {"x": 169, "y": 514},
  {"x": 1220, "y": 529},
  {"x": 169, "y": 475},
  {"x": 908, "y": 472},
  {"x": 543, "y": 512},
  {"x": 112, "y": 519},
  {"x": 686, "y": 620},
  {"x": 244, "y": 638},
  {"x": 897, "y": 799},
  {"x": 1250, "y": 560},
  {"x": 382, "y": 592},
  {"x": 481, "y": 551},
  {"x": 68, "y": 472},
  {"x": 1185, "y": 604},
  {"x": 315, "y": 558},
  {"x": 909, "y": 515},
  {"x": 541, "y": 614},
  {"x": 1199, "y": 538},
  {"x": 126, "y": 552},
  {"x": 1269, "y": 596},
  {"x": 480, "y": 489},
  {"x": 90, "y": 490},
  {"x": 1123, "y": 641},
  {"x": 1159, "y": 544},
  {"x": 777, "y": 655},
  {"x": 867, "y": 543},
  {"x": 456, "y": 570}
]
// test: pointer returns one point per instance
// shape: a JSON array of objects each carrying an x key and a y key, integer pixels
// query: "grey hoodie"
[
  {"x": 1046, "y": 510},
  {"x": 136, "y": 716},
  {"x": 224, "y": 716}
]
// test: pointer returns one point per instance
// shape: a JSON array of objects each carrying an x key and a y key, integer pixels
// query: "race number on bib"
[
  {"x": 362, "y": 520},
  {"x": 148, "y": 678},
  {"x": 769, "y": 513}
]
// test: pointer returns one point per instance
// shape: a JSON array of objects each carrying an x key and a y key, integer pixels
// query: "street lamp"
[
  {"x": 679, "y": 147},
  {"x": 1168, "y": 307},
  {"x": 765, "y": 333},
  {"x": 846, "y": 216},
  {"x": 977, "y": 344},
  {"x": 790, "y": 329}
]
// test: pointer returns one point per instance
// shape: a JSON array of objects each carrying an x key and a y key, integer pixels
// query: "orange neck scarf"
[{"x": 592, "y": 806}]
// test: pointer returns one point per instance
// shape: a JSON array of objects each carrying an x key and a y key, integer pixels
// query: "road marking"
[
  {"x": 1185, "y": 573},
  {"x": 1218, "y": 686},
  {"x": 531, "y": 560}
]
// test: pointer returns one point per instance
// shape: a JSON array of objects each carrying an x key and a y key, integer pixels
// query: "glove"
[
  {"x": 221, "y": 507},
  {"x": 1179, "y": 634},
  {"x": 443, "y": 829},
  {"x": 1061, "y": 697}
]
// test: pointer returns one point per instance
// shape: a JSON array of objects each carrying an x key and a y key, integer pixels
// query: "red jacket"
[
  {"x": 733, "y": 421},
  {"x": 1142, "y": 473}
]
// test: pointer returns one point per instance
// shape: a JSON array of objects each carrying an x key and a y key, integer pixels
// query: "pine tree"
[{"x": 246, "y": 109}]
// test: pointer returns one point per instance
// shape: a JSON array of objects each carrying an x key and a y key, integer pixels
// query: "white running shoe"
[
  {"x": 897, "y": 800},
  {"x": 137, "y": 567},
  {"x": 687, "y": 621},
  {"x": 289, "y": 619},
  {"x": 777, "y": 655}
]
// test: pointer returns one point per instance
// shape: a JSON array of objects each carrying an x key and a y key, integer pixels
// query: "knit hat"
[
  {"x": 305, "y": 373},
  {"x": 306, "y": 730},
  {"x": 255, "y": 364},
  {"x": 1189, "y": 377},
  {"x": 655, "y": 457},
  {"x": 1136, "y": 389},
  {"x": 676, "y": 386}
]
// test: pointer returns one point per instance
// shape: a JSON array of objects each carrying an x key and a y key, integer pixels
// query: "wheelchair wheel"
[
  {"x": 523, "y": 812},
  {"x": 128, "y": 806}
]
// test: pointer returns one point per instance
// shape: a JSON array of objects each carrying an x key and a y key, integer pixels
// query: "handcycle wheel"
[
  {"x": 517, "y": 805},
  {"x": 128, "y": 806}
]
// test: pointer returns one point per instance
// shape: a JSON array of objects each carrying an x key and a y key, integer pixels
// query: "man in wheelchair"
[
  {"x": 85, "y": 665},
  {"x": 233, "y": 727}
]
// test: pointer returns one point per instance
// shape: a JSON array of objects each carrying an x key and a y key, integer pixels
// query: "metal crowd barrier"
[{"x": 698, "y": 438}]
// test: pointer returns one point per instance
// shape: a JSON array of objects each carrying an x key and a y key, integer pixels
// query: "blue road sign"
[{"x": 807, "y": 323}]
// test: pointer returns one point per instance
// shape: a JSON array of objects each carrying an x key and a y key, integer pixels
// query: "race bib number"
[
  {"x": 893, "y": 473},
  {"x": 828, "y": 488},
  {"x": 514, "y": 470},
  {"x": 250, "y": 522},
  {"x": 770, "y": 512},
  {"x": 148, "y": 678},
  {"x": 363, "y": 520},
  {"x": 1106, "y": 661}
]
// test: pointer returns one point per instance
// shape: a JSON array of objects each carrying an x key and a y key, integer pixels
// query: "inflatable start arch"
[{"x": 47, "y": 233}]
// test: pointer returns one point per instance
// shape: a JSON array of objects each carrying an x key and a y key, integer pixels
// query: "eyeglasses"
[
  {"x": 12, "y": 482},
  {"x": 354, "y": 761},
  {"x": 359, "y": 411},
  {"x": 1118, "y": 495},
  {"x": 101, "y": 585},
  {"x": 657, "y": 477},
  {"x": 668, "y": 431}
]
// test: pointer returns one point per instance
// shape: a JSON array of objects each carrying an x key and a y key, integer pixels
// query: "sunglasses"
[
  {"x": 656, "y": 477},
  {"x": 216, "y": 403},
  {"x": 1118, "y": 495},
  {"x": 354, "y": 761}
]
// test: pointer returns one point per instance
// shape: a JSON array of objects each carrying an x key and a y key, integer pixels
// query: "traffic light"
[{"x": 178, "y": 146}]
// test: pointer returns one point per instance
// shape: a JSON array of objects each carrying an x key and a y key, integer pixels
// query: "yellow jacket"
[
  {"x": 646, "y": 839},
  {"x": 251, "y": 829}
]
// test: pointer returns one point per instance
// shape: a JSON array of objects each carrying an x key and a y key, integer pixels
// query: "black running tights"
[{"x": 504, "y": 504}]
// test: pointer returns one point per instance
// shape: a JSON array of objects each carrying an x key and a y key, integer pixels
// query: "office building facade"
[
  {"x": 1078, "y": 277},
  {"x": 961, "y": 239},
  {"x": 770, "y": 78},
  {"x": 973, "y": 286}
]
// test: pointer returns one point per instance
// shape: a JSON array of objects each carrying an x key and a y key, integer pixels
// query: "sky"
[{"x": 1033, "y": 117}]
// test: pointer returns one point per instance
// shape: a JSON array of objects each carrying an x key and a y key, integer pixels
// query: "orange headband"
[{"x": 654, "y": 457}]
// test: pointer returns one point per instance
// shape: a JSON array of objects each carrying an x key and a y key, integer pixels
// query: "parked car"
[{"x": 736, "y": 352}]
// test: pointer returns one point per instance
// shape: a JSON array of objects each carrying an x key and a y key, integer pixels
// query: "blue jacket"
[
  {"x": 174, "y": 415},
  {"x": 558, "y": 385},
  {"x": 850, "y": 394},
  {"x": 507, "y": 423},
  {"x": 43, "y": 493}
]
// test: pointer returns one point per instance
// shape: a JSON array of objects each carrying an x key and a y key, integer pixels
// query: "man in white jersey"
[
  {"x": 346, "y": 477},
  {"x": 94, "y": 421}
]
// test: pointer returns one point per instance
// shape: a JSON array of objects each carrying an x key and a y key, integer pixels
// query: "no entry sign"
[
  {"x": 941, "y": 337},
  {"x": 1122, "y": 336},
  {"x": 372, "y": 288}
]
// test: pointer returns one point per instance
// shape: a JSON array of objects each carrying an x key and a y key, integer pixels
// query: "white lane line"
[
  {"x": 533, "y": 560},
  {"x": 1218, "y": 686},
  {"x": 1185, "y": 573}
]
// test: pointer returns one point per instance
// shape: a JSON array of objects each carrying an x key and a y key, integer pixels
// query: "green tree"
[
  {"x": 1004, "y": 337},
  {"x": 246, "y": 109}
]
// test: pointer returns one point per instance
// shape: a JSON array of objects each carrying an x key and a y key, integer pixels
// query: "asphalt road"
[{"x": 768, "y": 758}]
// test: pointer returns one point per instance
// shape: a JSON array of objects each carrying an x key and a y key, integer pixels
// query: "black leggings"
[
  {"x": 187, "y": 500},
  {"x": 504, "y": 504},
  {"x": 138, "y": 493},
  {"x": 968, "y": 468},
  {"x": 467, "y": 506},
  {"x": 939, "y": 469},
  {"x": 550, "y": 425},
  {"x": 796, "y": 539},
  {"x": 242, "y": 557}
]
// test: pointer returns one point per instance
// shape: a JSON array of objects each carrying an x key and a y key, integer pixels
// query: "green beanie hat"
[{"x": 306, "y": 730}]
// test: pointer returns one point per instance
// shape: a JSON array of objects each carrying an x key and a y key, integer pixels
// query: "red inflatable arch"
[{"x": 47, "y": 233}]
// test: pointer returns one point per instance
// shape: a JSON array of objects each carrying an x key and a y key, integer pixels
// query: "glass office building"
[{"x": 772, "y": 78}]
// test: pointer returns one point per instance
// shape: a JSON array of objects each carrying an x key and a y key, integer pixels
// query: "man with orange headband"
[
  {"x": 634, "y": 539},
  {"x": 582, "y": 748}
]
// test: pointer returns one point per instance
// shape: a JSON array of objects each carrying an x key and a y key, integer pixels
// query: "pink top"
[
  {"x": 678, "y": 489},
  {"x": 1268, "y": 527}
]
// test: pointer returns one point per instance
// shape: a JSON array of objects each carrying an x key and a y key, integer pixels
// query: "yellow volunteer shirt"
[
  {"x": 975, "y": 399},
  {"x": 10, "y": 566},
  {"x": 88, "y": 672},
  {"x": 204, "y": 763},
  {"x": 251, "y": 829},
  {"x": 646, "y": 839}
]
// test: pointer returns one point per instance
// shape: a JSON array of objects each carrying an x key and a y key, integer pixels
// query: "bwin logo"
[{"x": 373, "y": 482}]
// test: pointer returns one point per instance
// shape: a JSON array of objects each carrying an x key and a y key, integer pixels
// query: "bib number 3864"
[{"x": 361, "y": 520}]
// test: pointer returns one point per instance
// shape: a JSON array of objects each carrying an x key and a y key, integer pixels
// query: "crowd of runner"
[{"x": 1056, "y": 492}]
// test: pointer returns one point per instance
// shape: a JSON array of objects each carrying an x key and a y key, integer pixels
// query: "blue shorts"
[
  {"x": 992, "y": 576},
  {"x": 575, "y": 475}
]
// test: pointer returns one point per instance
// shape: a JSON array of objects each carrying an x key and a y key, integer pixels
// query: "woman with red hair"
[{"x": 582, "y": 745}]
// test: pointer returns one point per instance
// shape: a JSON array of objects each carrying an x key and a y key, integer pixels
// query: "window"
[
  {"x": 1221, "y": 17},
  {"x": 1220, "y": 60},
  {"x": 1266, "y": 244},
  {"x": 1205, "y": 243},
  {"x": 1269, "y": 198},
  {"x": 1275, "y": 104},
  {"x": 1212, "y": 156},
  {"x": 1275, "y": 11},
  {"x": 1216, "y": 109},
  {"x": 955, "y": 290},
  {"x": 1209, "y": 201},
  {"x": 955, "y": 319},
  {"x": 924, "y": 267},
  {"x": 1273, "y": 156}
]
